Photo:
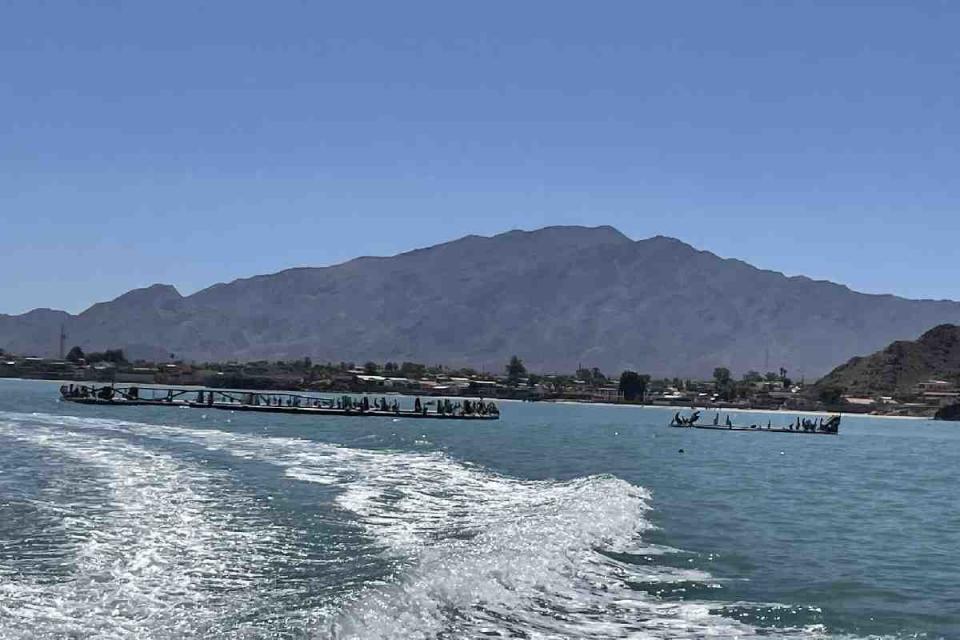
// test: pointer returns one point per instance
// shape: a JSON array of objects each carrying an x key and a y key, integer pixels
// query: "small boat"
[
  {"x": 280, "y": 402},
  {"x": 806, "y": 427}
]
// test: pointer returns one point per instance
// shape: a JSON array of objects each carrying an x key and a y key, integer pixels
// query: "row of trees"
[
  {"x": 414, "y": 370},
  {"x": 116, "y": 356},
  {"x": 729, "y": 389},
  {"x": 632, "y": 387},
  {"x": 516, "y": 372}
]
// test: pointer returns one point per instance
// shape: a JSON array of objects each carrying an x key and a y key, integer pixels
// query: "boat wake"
[
  {"x": 184, "y": 551},
  {"x": 147, "y": 539}
]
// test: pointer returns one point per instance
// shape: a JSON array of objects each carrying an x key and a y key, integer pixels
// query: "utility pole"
[{"x": 63, "y": 340}]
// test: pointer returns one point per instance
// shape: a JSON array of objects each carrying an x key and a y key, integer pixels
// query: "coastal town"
[{"x": 752, "y": 390}]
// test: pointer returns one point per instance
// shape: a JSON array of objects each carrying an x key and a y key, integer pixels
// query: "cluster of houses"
[
  {"x": 221, "y": 375},
  {"x": 335, "y": 378},
  {"x": 925, "y": 397},
  {"x": 103, "y": 371},
  {"x": 759, "y": 394},
  {"x": 430, "y": 384}
]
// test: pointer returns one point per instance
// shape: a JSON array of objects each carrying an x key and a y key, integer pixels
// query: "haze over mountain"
[{"x": 558, "y": 297}]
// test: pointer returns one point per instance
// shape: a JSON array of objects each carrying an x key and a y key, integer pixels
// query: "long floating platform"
[
  {"x": 281, "y": 402},
  {"x": 755, "y": 429},
  {"x": 830, "y": 427}
]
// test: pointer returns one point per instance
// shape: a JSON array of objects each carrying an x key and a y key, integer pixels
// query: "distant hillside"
[
  {"x": 558, "y": 297},
  {"x": 899, "y": 367}
]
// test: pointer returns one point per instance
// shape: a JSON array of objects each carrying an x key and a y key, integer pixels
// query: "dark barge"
[
  {"x": 277, "y": 402},
  {"x": 830, "y": 427}
]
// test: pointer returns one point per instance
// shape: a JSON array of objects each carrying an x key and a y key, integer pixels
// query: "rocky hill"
[
  {"x": 899, "y": 367},
  {"x": 558, "y": 297}
]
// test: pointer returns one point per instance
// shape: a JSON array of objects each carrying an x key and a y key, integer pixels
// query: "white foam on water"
[
  {"x": 483, "y": 554},
  {"x": 155, "y": 561}
]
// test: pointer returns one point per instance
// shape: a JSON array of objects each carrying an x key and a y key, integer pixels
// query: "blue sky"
[{"x": 197, "y": 142}]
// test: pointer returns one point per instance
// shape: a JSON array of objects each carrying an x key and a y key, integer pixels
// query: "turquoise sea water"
[{"x": 557, "y": 521}]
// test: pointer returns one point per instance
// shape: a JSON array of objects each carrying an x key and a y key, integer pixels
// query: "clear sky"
[{"x": 197, "y": 142}]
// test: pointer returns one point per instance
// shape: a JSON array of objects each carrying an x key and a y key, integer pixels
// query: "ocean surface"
[{"x": 558, "y": 521}]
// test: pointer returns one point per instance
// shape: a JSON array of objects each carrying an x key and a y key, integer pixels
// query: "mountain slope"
[
  {"x": 558, "y": 297},
  {"x": 899, "y": 367}
]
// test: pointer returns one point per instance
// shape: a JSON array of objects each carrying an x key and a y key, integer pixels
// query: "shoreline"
[
  {"x": 518, "y": 400},
  {"x": 738, "y": 410}
]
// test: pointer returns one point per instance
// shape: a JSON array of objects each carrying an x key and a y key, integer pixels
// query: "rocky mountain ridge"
[{"x": 559, "y": 297}]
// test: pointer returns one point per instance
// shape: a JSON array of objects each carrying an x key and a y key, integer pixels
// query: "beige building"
[{"x": 938, "y": 392}]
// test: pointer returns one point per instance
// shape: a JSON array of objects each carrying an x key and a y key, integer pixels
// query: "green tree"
[
  {"x": 371, "y": 368},
  {"x": 515, "y": 370},
  {"x": 593, "y": 377},
  {"x": 412, "y": 370},
  {"x": 110, "y": 355},
  {"x": 721, "y": 375},
  {"x": 633, "y": 386},
  {"x": 787, "y": 382},
  {"x": 724, "y": 383},
  {"x": 76, "y": 355}
]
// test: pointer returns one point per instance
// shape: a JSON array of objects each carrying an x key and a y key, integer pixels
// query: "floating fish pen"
[{"x": 281, "y": 402}]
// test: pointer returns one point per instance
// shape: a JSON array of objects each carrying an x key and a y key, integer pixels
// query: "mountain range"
[{"x": 558, "y": 297}]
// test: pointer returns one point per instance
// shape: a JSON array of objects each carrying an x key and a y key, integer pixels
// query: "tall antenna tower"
[{"x": 63, "y": 340}]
